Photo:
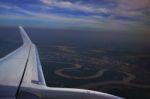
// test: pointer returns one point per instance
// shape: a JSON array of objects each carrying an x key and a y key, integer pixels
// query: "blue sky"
[{"x": 111, "y": 15}]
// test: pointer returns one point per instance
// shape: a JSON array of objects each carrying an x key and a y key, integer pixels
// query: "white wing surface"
[{"x": 21, "y": 77}]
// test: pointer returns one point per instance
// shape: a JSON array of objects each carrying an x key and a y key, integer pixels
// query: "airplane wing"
[{"x": 21, "y": 77}]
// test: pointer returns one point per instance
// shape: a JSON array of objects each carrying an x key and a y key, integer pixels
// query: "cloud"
[
  {"x": 49, "y": 19},
  {"x": 112, "y": 8},
  {"x": 132, "y": 8},
  {"x": 134, "y": 4},
  {"x": 123, "y": 16},
  {"x": 75, "y": 6}
]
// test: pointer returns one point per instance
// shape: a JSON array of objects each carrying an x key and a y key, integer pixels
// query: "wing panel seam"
[{"x": 17, "y": 93}]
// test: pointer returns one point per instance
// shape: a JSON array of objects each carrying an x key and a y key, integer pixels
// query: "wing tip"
[
  {"x": 19, "y": 26},
  {"x": 24, "y": 35}
]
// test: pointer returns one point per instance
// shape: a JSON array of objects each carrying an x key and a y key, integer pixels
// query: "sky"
[{"x": 100, "y": 15}]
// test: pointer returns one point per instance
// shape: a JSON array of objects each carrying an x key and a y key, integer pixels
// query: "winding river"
[{"x": 125, "y": 80}]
